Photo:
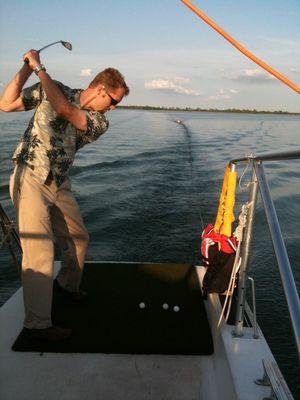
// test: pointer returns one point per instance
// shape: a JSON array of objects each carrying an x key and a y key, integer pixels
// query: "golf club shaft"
[
  {"x": 43, "y": 48},
  {"x": 65, "y": 44},
  {"x": 48, "y": 45}
]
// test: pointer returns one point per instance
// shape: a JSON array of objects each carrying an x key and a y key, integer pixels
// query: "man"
[{"x": 64, "y": 121}]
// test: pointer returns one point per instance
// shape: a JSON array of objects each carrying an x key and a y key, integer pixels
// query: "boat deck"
[
  {"x": 72, "y": 373},
  {"x": 183, "y": 374}
]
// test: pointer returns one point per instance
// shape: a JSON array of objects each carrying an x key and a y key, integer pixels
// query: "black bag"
[
  {"x": 217, "y": 277},
  {"x": 218, "y": 255}
]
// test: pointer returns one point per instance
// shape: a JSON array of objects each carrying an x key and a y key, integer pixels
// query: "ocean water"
[{"x": 148, "y": 185}]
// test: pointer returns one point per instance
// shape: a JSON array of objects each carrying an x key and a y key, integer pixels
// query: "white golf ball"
[
  {"x": 142, "y": 305},
  {"x": 165, "y": 306},
  {"x": 176, "y": 308}
]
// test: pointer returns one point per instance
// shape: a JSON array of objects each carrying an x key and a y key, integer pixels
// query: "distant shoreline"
[{"x": 214, "y": 110}]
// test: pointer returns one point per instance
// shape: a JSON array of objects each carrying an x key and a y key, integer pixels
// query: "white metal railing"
[
  {"x": 259, "y": 181},
  {"x": 274, "y": 379}
]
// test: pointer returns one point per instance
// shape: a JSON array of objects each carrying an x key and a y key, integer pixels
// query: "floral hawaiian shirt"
[{"x": 50, "y": 142}]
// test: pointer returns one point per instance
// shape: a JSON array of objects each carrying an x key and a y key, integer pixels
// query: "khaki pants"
[{"x": 45, "y": 211}]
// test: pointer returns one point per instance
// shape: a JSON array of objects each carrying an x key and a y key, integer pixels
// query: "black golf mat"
[{"x": 111, "y": 320}]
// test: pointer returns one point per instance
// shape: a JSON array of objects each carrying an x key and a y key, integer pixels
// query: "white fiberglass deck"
[
  {"x": 94, "y": 376},
  {"x": 227, "y": 374}
]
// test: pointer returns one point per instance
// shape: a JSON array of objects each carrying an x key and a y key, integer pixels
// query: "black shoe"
[
  {"x": 79, "y": 296},
  {"x": 51, "y": 334}
]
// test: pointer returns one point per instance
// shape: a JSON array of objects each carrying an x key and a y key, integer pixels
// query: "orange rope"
[{"x": 241, "y": 48}]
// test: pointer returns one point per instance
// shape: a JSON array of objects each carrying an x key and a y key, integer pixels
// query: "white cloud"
[
  {"x": 222, "y": 95},
  {"x": 181, "y": 80},
  {"x": 1, "y": 84},
  {"x": 294, "y": 69},
  {"x": 252, "y": 72},
  {"x": 253, "y": 75},
  {"x": 167, "y": 85},
  {"x": 218, "y": 97},
  {"x": 86, "y": 72}
]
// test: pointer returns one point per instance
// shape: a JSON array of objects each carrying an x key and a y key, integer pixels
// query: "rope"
[
  {"x": 241, "y": 48},
  {"x": 201, "y": 219},
  {"x": 238, "y": 234},
  {"x": 7, "y": 229},
  {"x": 188, "y": 134},
  {"x": 240, "y": 180}
]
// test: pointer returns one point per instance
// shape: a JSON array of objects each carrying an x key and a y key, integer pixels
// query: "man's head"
[{"x": 108, "y": 88}]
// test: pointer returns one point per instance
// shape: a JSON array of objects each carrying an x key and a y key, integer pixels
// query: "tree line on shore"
[{"x": 228, "y": 110}]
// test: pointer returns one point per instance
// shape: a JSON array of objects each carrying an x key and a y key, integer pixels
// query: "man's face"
[{"x": 108, "y": 99}]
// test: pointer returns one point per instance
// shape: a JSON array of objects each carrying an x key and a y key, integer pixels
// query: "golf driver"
[{"x": 67, "y": 45}]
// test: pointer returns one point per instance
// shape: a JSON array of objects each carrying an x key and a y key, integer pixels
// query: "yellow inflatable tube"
[{"x": 225, "y": 215}]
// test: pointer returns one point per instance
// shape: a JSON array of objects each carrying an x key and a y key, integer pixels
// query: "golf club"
[{"x": 67, "y": 45}]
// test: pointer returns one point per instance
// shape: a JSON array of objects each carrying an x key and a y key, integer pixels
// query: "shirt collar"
[{"x": 77, "y": 97}]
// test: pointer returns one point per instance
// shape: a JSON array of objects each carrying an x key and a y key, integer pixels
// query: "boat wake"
[{"x": 188, "y": 135}]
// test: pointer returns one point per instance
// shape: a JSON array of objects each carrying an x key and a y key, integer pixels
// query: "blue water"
[{"x": 146, "y": 185}]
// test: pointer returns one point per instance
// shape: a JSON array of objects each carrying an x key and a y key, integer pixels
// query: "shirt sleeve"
[
  {"x": 31, "y": 96},
  {"x": 97, "y": 124}
]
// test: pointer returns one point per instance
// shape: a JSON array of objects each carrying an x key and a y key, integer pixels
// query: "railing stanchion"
[
  {"x": 255, "y": 334},
  {"x": 239, "y": 319}
]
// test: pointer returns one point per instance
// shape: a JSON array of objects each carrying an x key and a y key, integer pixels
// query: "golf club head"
[{"x": 67, "y": 45}]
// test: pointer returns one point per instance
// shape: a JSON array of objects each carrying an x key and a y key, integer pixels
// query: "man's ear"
[{"x": 100, "y": 89}]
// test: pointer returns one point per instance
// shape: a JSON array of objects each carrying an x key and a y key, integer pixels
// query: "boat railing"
[
  {"x": 273, "y": 378},
  {"x": 259, "y": 181}
]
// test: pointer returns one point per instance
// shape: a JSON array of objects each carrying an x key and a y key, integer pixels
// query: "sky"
[{"x": 169, "y": 56}]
